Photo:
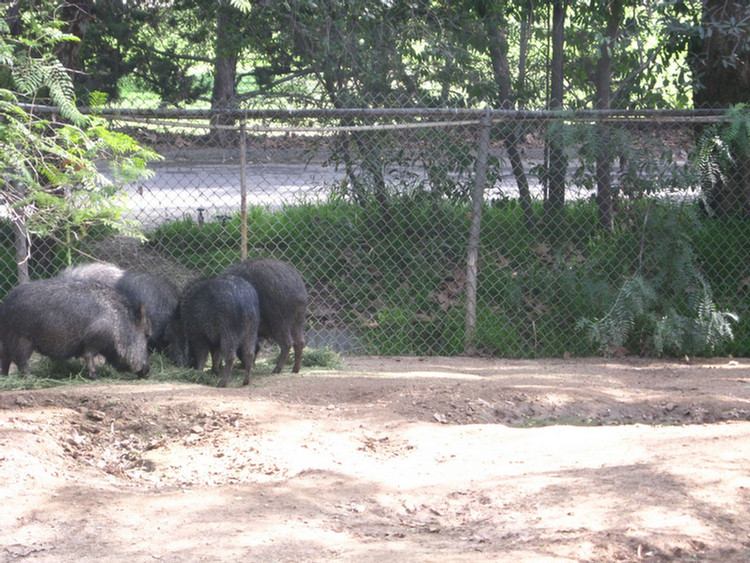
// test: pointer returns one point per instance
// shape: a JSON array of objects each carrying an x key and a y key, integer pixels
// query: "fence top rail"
[{"x": 445, "y": 114}]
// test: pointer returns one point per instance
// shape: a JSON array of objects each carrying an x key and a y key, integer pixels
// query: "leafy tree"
[
  {"x": 712, "y": 37},
  {"x": 720, "y": 54},
  {"x": 155, "y": 46},
  {"x": 611, "y": 44},
  {"x": 723, "y": 158},
  {"x": 50, "y": 184}
]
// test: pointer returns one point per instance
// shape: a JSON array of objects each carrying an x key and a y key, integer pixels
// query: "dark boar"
[
  {"x": 158, "y": 295},
  {"x": 283, "y": 304},
  {"x": 217, "y": 315},
  {"x": 104, "y": 273},
  {"x": 64, "y": 319}
]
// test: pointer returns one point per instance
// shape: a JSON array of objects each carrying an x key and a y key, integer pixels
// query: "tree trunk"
[
  {"x": 76, "y": 14},
  {"x": 498, "y": 51},
  {"x": 223, "y": 96},
  {"x": 603, "y": 83},
  {"x": 523, "y": 50},
  {"x": 13, "y": 18},
  {"x": 11, "y": 193},
  {"x": 558, "y": 164},
  {"x": 22, "y": 246},
  {"x": 369, "y": 148}
]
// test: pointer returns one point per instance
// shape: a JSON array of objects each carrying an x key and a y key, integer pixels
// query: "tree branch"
[{"x": 175, "y": 55}]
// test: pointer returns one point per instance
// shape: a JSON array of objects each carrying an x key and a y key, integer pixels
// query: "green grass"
[
  {"x": 394, "y": 283},
  {"x": 44, "y": 372}
]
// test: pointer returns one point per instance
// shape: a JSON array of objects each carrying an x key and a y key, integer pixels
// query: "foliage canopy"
[{"x": 51, "y": 184}]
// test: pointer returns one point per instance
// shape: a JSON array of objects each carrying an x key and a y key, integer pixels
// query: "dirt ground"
[{"x": 388, "y": 459}]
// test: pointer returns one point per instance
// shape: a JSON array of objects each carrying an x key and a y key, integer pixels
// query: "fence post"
[
  {"x": 477, "y": 201},
  {"x": 243, "y": 191}
]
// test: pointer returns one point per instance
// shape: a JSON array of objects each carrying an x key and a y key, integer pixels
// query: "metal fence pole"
[
  {"x": 243, "y": 190},
  {"x": 477, "y": 200}
]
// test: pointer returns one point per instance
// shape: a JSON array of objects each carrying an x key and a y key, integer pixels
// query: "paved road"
[
  {"x": 182, "y": 186},
  {"x": 180, "y": 189}
]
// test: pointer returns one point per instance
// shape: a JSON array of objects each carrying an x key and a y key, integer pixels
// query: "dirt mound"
[{"x": 409, "y": 459}]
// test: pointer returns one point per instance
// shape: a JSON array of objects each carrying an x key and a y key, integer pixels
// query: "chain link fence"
[{"x": 443, "y": 232}]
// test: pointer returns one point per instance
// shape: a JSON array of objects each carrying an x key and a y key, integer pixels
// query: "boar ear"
[{"x": 142, "y": 319}]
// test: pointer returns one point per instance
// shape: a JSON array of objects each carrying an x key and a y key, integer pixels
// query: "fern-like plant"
[
  {"x": 723, "y": 154},
  {"x": 667, "y": 307},
  {"x": 50, "y": 184},
  {"x": 634, "y": 301},
  {"x": 698, "y": 333}
]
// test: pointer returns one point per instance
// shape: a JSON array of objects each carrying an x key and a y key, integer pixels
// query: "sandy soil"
[{"x": 389, "y": 459}]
